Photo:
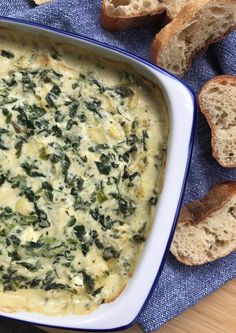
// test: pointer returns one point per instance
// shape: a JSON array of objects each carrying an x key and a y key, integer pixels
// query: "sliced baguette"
[
  {"x": 174, "y": 7},
  {"x": 128, "y": 14},
  {"x": 199, "y": 23},
  {"x": 40, "y": 2},
  {"x": 206, "y": 229},
  {"x": 217, "y": 101}
]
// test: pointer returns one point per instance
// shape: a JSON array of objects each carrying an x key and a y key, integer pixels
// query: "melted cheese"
[{"x": 82, "y": 146}]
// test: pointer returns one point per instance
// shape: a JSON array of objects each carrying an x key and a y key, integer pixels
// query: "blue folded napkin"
[{"x": 179, "y": 287}]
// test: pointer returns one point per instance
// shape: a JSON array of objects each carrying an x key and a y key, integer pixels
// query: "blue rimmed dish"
[{"x": 181, "y": 103}]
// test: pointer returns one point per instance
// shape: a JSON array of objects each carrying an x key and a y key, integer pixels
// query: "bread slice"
[
  {"x": 217, "y": 101},
  {"x": 199, "y": 23},
  {"x": 206, "y": 229},
  {"x": 174, "y": 7},
  {"x": 40, "y": 2},
  {"x": 127, "y": 14}
]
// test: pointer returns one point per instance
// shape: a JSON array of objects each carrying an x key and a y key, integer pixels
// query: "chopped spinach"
[
  {"x": 88, "y": 281},
  {"x": 3, "y": 146},
  {"x": 55, "y": 54},
  {"x": 70, "y": 124},
  {"x": 98, "y": 147},
  {"x": 48, "y": 190},
  {"x": 65, "y": 164},
  {"x": 52, "y": 95},
  {"x": 2, "y": 179},
  {"x": 56, "y": 131},
  {"x": 109, "y": 253},
  {"x": 126, "y": 206},
  {"x": 139, "y": 238},
  {"x": 101, "y": 197},
  {"x": 18, "y": 147},
  {"x": 124, "y": 92},
  {"x": 55, "y": 285},
  {"x": 105, "y": 221},
  {"x": 94, "y": 106},
  {"x": 73, "y": 108},
  {"x": 99, "y": 85},
  {"x": 104, "y": 169},
  {"x": 30, "y": 267},
  {"x": 71, "y": 221},
  {"x": 144, "y": 140},
  {"x": 42, "y": 217},
  {"x": 7, "y": 54},
  {"x": 23, "y": 119},
  {"x": 27, "y": 82},
  {"x": 153, "y": 200},
  {"x": 81, "y": 204},
  {"x": 80, "y": 231},
  {"x": 30, "y": 169},
  {"x": 77, "y": 185}
]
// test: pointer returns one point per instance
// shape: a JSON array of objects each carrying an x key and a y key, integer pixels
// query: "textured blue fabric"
[{"x": 179, "y": 287}]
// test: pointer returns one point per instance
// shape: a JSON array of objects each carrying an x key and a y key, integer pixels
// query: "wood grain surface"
[{"x": 215, "y": 314}]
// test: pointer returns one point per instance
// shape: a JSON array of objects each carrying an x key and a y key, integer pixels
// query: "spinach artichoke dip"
[{"x": 82, "y": 150}]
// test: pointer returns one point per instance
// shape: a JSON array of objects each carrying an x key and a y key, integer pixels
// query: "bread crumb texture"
[
  {"x": 130, "y": 8},
  {"x": 217, "y": 101},
  {"x": 40, "y": 2},
  {"x": 198, "y": 24},
  {"x": 204, "y": 233}
]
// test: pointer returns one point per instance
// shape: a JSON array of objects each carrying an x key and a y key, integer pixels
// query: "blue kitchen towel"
[{"x": 179, "y": 286}]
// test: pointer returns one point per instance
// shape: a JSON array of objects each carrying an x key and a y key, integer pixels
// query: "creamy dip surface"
[{"x": 82, "y": 150}]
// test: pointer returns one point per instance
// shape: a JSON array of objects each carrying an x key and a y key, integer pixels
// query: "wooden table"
[{"x": 214, "y": 314}]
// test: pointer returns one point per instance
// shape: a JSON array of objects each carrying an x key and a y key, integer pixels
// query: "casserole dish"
[{"x": 123, "y": 310}]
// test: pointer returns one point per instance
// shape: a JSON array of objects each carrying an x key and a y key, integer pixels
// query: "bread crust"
[
  {"x": 185, "y": 16},
  {"x": 197, "y": 211},
  {"x": 149, "y": 19},
  {"x": 215, "y": 199}
]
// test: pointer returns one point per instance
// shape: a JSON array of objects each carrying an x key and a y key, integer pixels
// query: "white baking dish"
[{"x": 181, "y": 103}]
